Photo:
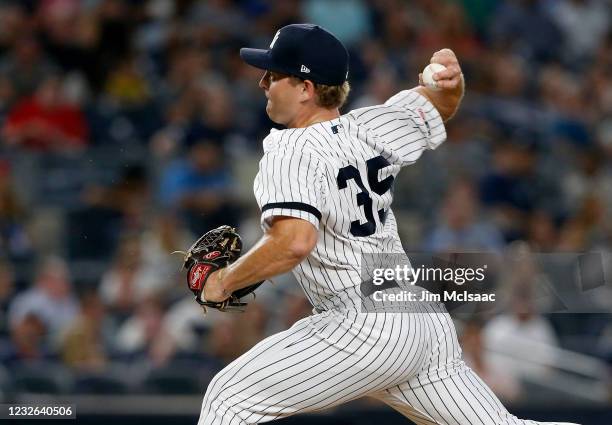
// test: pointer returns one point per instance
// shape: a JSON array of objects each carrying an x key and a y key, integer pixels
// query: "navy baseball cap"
[{"x": 303, "y": 50}]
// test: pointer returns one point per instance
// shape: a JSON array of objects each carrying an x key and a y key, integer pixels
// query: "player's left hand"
[
  {"x": 213, "y": 290},
  {"x": 205, "y": 263},
  {"x": 451, "y": 77}
]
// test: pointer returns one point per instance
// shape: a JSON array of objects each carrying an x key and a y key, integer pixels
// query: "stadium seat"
[
  {"x": 5, "y": 384},
  {"x": 106, "y": 382},
  {"x": 43, "y": 378},
  {"x": 180, "y": 378}
]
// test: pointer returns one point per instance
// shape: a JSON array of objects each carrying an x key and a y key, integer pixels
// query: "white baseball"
[{"x": 428, "y": 73}]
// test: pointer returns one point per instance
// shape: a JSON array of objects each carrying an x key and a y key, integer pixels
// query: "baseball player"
[{"x": 325, "y": 186}]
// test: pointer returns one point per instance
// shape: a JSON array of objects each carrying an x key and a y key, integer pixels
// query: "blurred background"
[{"x": 129, "y": 127}]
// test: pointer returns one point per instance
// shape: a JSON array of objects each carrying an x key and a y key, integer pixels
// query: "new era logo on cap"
[{"x": 304, "y": 69}]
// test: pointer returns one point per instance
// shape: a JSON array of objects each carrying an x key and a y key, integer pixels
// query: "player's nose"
[{"x": 263, "y": 82}]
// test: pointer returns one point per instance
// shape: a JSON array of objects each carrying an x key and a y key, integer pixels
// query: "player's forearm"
[
  {"x": 266, "y": 259},
  {"x": 446, "y": 101},
  {"x": 277, "y": 252}
]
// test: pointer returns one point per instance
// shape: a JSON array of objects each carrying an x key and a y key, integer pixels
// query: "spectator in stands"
[
  {"x": 504, "y": 384},
  {"x": 515, "y": 186},
  {"x": 28, "y": 341},
  {"x": 144, "y": 337},
  {"x": 85, "y": 345},
  {"x": 215, "y": 19},
  {"x": 14, "y": 24},
  {"x": 107, "y": 212},
  {"x": 186, "y": 65},
  {"x": 461, "y": 228},
  {"x": 26, "y": 66},
  {"x": 599, "y": 86},
  {"x": 14, "y": 241},
  {"x": 130, "y": 196},
  {"x": 505, "y": 80},
  {"x": 584, "y": 24},
  {"x": 350, "y": 19},
  {"x": 563, "y": 97},
  {"x": 381, "y": 86},
  {"x": 586, "y": 228},
  {"x": 521, "y": 341},
  {"x": 7, "y": 288},
  {"x": 129, "y": 281},
  {"x": 233, "y": 335},
  {"x": 216, "y": 112},
  {"x": 88, "y": 37},
  {"x": 180, "y": 96},
  {"x": 297, "y": 307},
  {"x": 126, "y": 85},
  {"x": 165, "y": 236},
  {"x": 587, "y": 177},
  {"x": 450, "y": 29},
  {"x": 542, "y": 232},
  {"x": 51, "y": 299},
  {"x": 510, "y": 76},
  {"x": 185, "y": 321},
  {"x": 526, "y": 27},
  {"x": 199, "y": 185},
  {"x": 399, "y": 26},
  {"x": 46, "y": 121}
]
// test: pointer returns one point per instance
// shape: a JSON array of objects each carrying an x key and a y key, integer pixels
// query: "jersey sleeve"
[
  {"x": 408, "y": 123},
  {"x": 289, "y": 183}
]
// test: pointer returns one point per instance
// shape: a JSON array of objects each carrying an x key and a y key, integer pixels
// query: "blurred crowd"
[{"x": 129, "y": 127}]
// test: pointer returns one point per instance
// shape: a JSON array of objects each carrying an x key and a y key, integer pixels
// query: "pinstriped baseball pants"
[{"x": 410, "y": 361}]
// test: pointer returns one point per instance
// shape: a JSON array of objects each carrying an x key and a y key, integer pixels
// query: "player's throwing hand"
[{"x": 451, "y": 77}]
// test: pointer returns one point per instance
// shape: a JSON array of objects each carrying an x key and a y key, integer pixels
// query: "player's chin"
[{"x": 272, "y": 114}]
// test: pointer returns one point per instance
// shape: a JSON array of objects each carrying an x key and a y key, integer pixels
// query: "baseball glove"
[{"x": 216, "y": 249}]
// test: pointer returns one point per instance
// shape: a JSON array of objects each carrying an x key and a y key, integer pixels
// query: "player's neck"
[{"x": 313, "y": 116}]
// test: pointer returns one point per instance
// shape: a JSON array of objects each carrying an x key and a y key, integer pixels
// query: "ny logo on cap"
[
  {"x": 274, "y": 39},
  {"x": 304, "y": 69}
]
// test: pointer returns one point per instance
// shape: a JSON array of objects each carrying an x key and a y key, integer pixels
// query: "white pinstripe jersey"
[{"x": 338, "y": 175}]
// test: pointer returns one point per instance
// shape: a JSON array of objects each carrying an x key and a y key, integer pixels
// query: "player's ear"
[{"x": 308, "y": 90}]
